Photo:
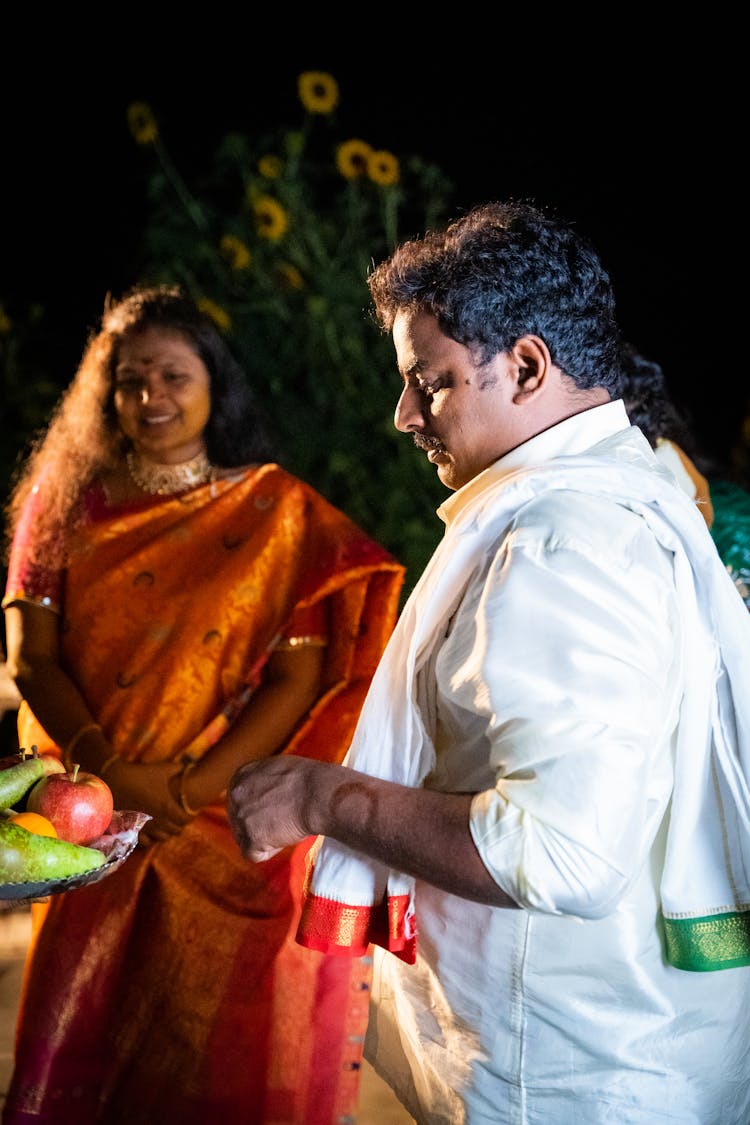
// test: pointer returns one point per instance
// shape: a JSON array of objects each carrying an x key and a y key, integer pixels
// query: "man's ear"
[{"x": 531, "y": 364}]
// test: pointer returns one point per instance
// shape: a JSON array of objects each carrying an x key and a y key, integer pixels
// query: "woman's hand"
[{"x": 149, "y": 787}]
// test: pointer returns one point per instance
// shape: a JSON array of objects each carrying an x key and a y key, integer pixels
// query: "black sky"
[{"x": 627, "y": 149}]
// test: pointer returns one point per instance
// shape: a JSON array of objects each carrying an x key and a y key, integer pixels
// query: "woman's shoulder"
[{"x": 271, "y": 474}]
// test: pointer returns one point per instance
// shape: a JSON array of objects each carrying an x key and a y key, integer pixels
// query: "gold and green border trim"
[{"x": 703, "y": 945}]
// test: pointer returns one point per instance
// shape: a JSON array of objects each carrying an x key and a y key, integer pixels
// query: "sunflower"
[
  {"x": 270, "y": 167},
  {"x": 271, "y": 220},
  {"x": 219, "y": 316},
  {"x": 290, "y": 276},
  {"x": 352, "y": 159},
  {"x": 235, "y": 252},
  {"x": 383, "y": 168},
  {"x": 142, "y": 123},
  {"x": 318, "y": 91}
]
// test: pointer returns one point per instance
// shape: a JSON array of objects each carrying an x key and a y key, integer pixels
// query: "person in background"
[
  {"x": 651, "y": 407},
  {"x": 721, "y": 500},
  {"x": 731, "y": 529},
  {"x": 542, "y": 822},
  {"x": 177, "y": 603}
]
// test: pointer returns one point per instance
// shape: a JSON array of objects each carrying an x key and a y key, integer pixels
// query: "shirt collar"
[{"x": 573, "y": 435}]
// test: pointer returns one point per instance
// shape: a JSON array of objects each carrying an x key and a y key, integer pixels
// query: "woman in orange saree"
[{"x": 173, "y": 991}]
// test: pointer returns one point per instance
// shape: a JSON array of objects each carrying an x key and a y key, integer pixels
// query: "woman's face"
[{"x": 162, "y": 395}]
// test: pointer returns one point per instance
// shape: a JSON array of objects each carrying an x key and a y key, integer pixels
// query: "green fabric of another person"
[{"x": 731, "y": 531}]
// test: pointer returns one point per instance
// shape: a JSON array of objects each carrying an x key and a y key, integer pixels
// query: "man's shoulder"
[{"x": 567, "y": 518}]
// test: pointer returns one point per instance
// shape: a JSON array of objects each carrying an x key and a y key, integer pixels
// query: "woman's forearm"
[
  {"x": 61, "y": 709},
  {"x": 53, "y": 696},
  {"x": 282, "y": 701}
]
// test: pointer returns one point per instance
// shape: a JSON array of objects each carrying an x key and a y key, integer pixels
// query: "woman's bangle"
[
  {"x": 110, "y": 761},
  {"x": 67, "y": 754},
  {"x": 181, "y": 798}
]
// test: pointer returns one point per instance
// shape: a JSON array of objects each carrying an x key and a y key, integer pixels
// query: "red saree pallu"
[{"x": 173, "y": 991}]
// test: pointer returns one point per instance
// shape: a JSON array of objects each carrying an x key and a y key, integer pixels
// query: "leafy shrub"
[{"x": 275, "y": 241}]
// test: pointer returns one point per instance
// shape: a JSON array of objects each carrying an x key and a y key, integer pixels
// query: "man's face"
[{"x": 462, "y": 414}]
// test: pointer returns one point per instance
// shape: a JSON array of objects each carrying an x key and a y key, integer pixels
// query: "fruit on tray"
[
  {"x": 17, "y": 779},
  {"x": 28, "y": 858},
  {"x": 33, "y": 822},
  {"x": 79, "y": 804}
]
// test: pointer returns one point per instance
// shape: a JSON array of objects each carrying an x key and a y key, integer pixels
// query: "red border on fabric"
[{"x": 347, "y": 931}]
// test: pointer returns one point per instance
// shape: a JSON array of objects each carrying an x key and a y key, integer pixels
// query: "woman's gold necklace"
[{"x": 163, "y": 480}]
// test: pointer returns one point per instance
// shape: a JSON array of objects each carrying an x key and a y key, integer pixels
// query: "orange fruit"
[{"x": 34, "y": 822}]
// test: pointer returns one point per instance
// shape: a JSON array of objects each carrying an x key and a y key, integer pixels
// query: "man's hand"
[
  {"x": 269, "y": 804},
  {"x": 280, "y": 801}
]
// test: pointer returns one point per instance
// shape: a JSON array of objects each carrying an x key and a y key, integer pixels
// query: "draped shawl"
[{"x": 705, "y": 886}]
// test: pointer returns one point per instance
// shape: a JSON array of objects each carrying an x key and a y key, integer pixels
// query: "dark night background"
[
  {"x": 620, "y": 137},
  {"x": 625, "y": 128}
]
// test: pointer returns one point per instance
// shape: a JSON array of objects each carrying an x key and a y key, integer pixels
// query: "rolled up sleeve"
[{"x": 572, "y": 662}]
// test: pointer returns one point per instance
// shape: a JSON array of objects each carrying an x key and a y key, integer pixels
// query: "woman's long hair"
[
  {"x": 83, "y": 437},
  {"x": 649, "y": 403}
]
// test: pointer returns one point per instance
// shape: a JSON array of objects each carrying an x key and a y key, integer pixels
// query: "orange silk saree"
[{"x": 173, "y": 992}]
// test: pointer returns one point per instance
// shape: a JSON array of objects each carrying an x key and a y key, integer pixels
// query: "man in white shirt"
[{"x": 543, "y": 822}]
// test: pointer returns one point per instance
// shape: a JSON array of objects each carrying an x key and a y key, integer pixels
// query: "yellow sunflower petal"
[
  {"x": 290, "y": 275},
  {"x": 383, "y": 168},
  {"x": 219, "y": 316},
  {"x": 271, "y": 220},
  {"x": 270, "y": 167},
  {"x": 235, "y": 252},
  {"x": 318, "y": 91},
  {"x": 142, "y": 123},
  {"x": 352, "y": 158}
]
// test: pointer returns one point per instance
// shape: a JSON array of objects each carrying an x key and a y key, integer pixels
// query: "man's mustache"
[{"x": 424, "y": 441}]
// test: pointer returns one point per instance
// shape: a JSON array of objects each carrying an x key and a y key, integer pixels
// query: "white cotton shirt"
[{"x": 554, "y": 697}]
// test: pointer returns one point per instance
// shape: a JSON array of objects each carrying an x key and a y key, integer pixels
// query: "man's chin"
[{"x": 447, "y": 475}]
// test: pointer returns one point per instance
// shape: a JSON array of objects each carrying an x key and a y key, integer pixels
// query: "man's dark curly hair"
[{"x": 506, "y": 270}]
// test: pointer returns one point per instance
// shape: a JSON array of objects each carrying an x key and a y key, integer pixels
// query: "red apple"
[{"x": 79, "y": 804}]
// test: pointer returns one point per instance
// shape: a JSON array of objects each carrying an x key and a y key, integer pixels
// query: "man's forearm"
[{"x": 417, "y": 831}]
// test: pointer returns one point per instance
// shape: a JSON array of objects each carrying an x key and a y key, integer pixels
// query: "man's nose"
[{"x": 409, "y": 413}]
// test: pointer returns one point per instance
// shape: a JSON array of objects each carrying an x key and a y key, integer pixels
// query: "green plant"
[{"x": 275, "y": 240}]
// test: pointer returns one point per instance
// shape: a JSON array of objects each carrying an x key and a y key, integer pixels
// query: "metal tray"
[{"x": 117, "y": 843}]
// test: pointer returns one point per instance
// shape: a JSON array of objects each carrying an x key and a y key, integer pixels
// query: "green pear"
[
  {"x": 28, "y": 858},
  {"x": 16, "y": 780}
]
